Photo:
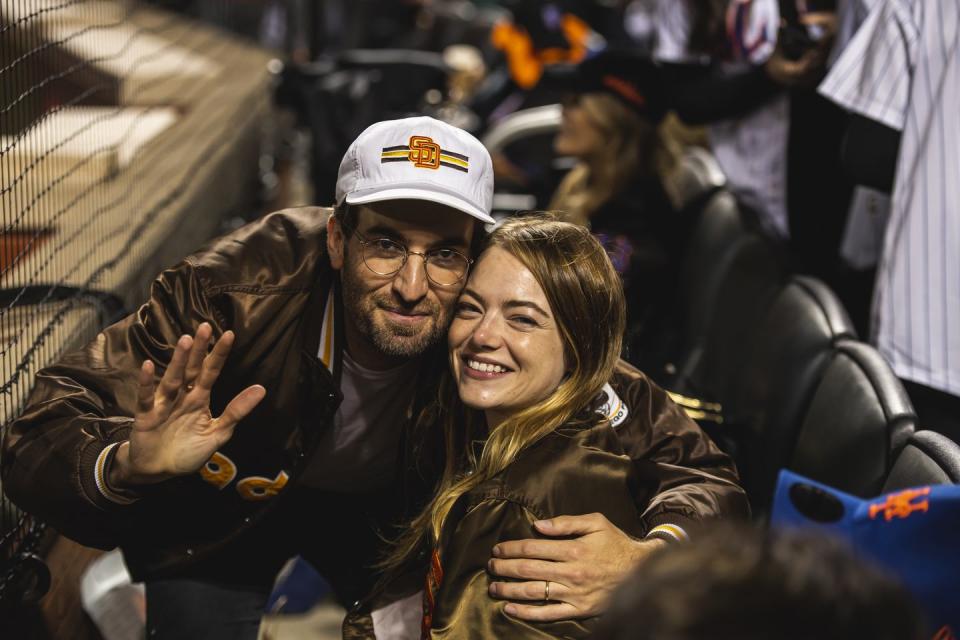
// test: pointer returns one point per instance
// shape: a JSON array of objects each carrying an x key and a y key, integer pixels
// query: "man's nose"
[{"x": 411, "y": 283}]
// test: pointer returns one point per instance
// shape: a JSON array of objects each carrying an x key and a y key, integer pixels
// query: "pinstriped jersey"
[
  {"x": 850, "y": 15},
  {"x": 903, "y": 69}
]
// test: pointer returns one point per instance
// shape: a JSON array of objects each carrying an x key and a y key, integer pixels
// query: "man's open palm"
[{"x": 174, "y": 432}]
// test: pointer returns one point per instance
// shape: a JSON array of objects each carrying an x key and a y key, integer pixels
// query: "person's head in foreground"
[
  {"x": 748, "y": 584},
  {"x": 536, "y": 334},
  {"x": 410, "y": 196},
  {"x": 610, "y": 120}
]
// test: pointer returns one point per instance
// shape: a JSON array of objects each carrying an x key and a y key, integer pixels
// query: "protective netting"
[{"x": 126, "y": 133}]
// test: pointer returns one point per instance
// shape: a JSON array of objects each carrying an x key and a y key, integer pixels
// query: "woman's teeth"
[{"x": 485, "y": 367}]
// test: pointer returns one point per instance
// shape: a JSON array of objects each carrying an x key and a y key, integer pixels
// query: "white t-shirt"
[
  {"x": 902, "y": 69},
  {"x": 358, "y": 453},
  {"x": 751, "y": 149}
]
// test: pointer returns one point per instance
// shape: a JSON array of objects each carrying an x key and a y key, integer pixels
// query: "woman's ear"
[{"x": 335, "y": 242}]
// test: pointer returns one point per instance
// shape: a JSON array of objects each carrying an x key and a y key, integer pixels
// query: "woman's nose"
[{"x": 486, "y": 335}]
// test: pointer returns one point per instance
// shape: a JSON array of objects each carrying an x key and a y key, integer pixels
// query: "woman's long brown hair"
[
  {"x": 631, "y": 144},
  {"x": 586, "y": 299}
]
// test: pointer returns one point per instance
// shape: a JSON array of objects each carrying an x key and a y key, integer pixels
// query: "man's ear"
[{"x": 335, "y": 242}]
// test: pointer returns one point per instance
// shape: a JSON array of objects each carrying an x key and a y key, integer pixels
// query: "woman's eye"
[
  {"x": 466, "y": 308},
  {"x": 524, "y": 320}
]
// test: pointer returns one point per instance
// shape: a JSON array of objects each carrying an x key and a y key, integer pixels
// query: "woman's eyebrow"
[
  {"x": 528, "y": 305},
  {"x": 473, "y": 294}
]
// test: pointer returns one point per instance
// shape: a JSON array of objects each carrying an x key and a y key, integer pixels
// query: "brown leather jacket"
[
  {"x": 648, "y": 468},
  {"x": 272, "y": 284}
]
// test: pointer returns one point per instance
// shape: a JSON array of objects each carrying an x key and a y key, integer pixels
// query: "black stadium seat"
[
  {"x": 786, "y": 357},
  {"x": 715, "y": 238},
  {"x": 859, "y": 419},
  {"x": 753, "y": 280},
  {"x": 927, "y": 458},
  {"x": 727, "y": 275},
  {"x": 696, "y": 177}
]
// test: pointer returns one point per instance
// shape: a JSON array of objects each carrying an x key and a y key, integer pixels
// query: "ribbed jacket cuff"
[
  {"x": 101, "y": 473},
  {"x": 671, "y": 527},
  {"x": 669, "y": 533},
  {"x": 95, "y": 460}
]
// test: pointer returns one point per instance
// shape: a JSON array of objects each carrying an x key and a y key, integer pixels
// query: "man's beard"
[{"x": 391, "y": 339}]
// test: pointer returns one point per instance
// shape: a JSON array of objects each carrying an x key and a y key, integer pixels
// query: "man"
[
  {"x": 322, "y": 332},
  {"x": 901, "y": 72}
]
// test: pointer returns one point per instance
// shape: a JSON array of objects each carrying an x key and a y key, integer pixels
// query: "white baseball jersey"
[
  {"x": 850, "y": 15},
  {"x": 751, "y": 149},
  {"x": 903, "y": 69}
]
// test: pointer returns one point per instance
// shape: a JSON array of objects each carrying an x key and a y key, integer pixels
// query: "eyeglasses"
[{"x": 385, "y": 257}]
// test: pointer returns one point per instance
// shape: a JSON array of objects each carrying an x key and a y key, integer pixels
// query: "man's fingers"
[
  {"x": 572, "y": 525},
  {"x": 197, "y": 352},
  {"x": 172, "y": 379},
  {"x": 533, "y": 549},
  {"x": 241, "y": 406},
  {"x": 527, "y": 569},
  {"x": 213, "y": 363},
  {"x": 543, "y": 613},
  {"x": 534, "y": 590},
  {"x": 145, "y": 387}
]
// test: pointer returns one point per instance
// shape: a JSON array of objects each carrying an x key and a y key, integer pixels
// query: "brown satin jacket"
[
  {"x": 272, "y": 284},
  {"x": 269, "y": 282},
  {"x": 647, "y": 466}
]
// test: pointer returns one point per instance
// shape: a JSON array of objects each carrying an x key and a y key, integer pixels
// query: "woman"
[
  {"x": 528, "y": 424},
  {"x": 610, "y": 126}
]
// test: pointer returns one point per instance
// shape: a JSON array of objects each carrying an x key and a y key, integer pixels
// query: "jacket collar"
[
  {"x": 323, "y": 318},
  {"x": 327, "y": 353}
]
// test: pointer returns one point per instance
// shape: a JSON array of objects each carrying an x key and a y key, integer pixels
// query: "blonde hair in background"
[
  {"x": 630, "y": 146},
  {"x": 587, "y": 301}
]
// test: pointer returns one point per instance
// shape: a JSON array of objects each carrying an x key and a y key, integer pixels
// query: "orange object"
[
  {"x": 526, "y": 62},
  {"x": 901, "y": 505}
]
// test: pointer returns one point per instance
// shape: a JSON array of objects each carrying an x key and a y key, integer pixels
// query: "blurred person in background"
[
  {"x": 900, "y": 79},
  {"x": 747, "y": 584},
  {"x": 749, "y": 69},
  {"x": 610, "y": 126},
  {"x": 870, "y": 202}
]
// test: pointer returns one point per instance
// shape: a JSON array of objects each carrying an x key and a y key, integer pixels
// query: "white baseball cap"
[{"x": 421, "y": 159}]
